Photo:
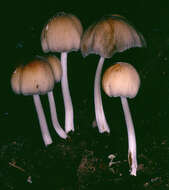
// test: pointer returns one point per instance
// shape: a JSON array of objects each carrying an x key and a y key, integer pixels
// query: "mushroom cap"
[
  {"x": 56, "y": 67},
  {"x": 15, "y": 79},
  {"x": 110, "y": 35},
  {"x": 62, "y": 33},
  {"x": 34, "y": 78},
  {"x": 121, "y": 79}
]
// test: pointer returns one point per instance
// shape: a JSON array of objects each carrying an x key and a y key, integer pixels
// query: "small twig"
[{"x": 13, "y": 164}]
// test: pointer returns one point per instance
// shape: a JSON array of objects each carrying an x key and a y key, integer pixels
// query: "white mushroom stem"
[
  {"x": 69, "y": 125},
  {"x": 100, "y": 116},
  {"x": 42, "y": 120},
  {"x": 132, "y": 157},
  {"x": 53, "y": 113}
]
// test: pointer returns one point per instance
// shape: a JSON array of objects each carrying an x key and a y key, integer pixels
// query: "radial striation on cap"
[
  {"x": 121, "y": 79},
  {"x": 109, "y": 35},
  {"x": 36, "y": 77},
  {"x": 56, "y": 67},
  {"x": 62, "y": 33}
]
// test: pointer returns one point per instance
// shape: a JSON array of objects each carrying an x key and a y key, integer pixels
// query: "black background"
[{"x": 20, "y": 28}]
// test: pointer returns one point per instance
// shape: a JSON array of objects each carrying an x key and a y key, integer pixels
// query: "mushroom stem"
[
  {"x": 69, "y": 126},
  {"x": 132, "y": 157},
  {"x": 100, "y": 117},
  {"x": 42, "y": 120},
  {"x": 53, "y": 113}
]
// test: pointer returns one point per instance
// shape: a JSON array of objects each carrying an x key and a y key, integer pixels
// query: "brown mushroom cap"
[
  {"x": 110, "y": 35},
  {"x": 62, "y": 33},
  {"x": 121, "y": 79},
  {"x": 15, "y": 80},
  {"x": 56, "y": 67},
  {"x": 34, "y": 78}
]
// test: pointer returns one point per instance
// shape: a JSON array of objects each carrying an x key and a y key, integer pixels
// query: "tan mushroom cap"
[
  {"x": 121, "y": 79},
  {"x": 62, "y": 33},
  {"x": 110, "y": 35},
  {"x": 56, "y": 67},
  {"x": 34, "y": 78},
  {"x": 15, "y": 79}
]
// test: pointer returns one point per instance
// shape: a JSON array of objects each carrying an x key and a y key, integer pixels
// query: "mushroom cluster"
[
  {"x": 106, "y": 37},
  {"x": 62, "y": 34},
  {"x": 37, "y": 78}
]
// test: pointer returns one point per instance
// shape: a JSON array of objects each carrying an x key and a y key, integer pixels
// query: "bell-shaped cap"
[
  {"x": 62, "y": 33},
  {"x": 56, "y": 67},
  {"x": 121, "y": 79},
  {"x": 36, "y": 77},
  {"x": 110, "y": 35},
  {"x": 15, "y": 79}
]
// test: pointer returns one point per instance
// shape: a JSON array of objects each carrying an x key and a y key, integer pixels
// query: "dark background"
[
  {"x": 20, "y": 138},
  {"x": 21, "y": 26}
]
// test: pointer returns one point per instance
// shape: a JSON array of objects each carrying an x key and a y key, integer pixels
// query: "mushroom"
[
  {"x": 57, "y": 71},
  {"x": 122, "y": 80},
  {"x": 63, "y": 34},
  {"x": 35, "y": 78},
  {"x": 111, "y": 34}
]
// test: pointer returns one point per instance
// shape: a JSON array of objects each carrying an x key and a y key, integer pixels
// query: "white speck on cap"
[
  {"x": 63, "y": 34},
  {"x": 34, "y": 78},
  {"x": 46, "y": 27}
]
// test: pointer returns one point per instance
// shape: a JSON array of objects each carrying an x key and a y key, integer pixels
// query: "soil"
[{"x": 82, "y": 161}]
